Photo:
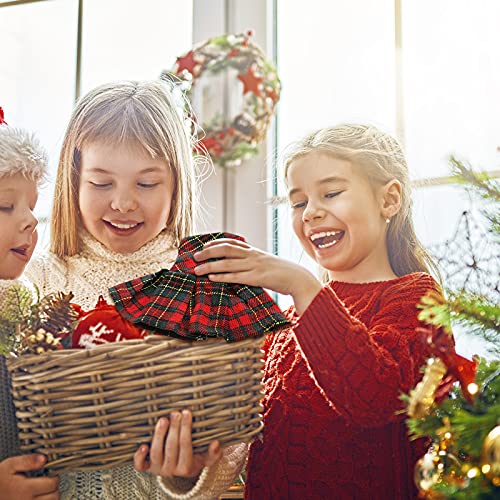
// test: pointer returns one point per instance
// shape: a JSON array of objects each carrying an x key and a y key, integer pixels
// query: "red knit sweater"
[{"x": 332, "y": 388}]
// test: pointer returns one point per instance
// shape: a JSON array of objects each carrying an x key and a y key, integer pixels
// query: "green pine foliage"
[
  {"x": 16, "y": 305},
  {"x": 468, "y": 424},
  {"x": 30, "y": 324},
  {"x": 481, "y": 185}
]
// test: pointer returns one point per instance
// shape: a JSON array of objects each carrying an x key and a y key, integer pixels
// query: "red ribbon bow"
[{"x": 462, "y": 369}]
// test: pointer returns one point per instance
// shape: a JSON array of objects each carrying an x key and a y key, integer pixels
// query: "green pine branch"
[
  {"x": 494, "y": 222},
  {"x": 482, "y": 185},
  {"x": 467, "y": 424},
  {"x": 480, "y": 182},
  {"x": 477, "y": 312},
  {"x": 16, "y": 306}
]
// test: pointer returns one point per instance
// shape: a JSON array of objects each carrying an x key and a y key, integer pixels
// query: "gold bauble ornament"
[
  {"x": 427, "y": 474},
  {"x": 435, "y": 467},
  {"x": 491, "y": 456}
]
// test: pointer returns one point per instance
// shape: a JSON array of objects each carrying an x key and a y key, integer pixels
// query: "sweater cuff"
[
  {"x": 213, "y": 481},
  {"x": 325, "y": 320},
  {"x": 179, "y": 488},
  {"x": 314, "y": 319}
]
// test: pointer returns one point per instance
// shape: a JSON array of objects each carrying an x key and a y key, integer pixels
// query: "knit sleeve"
[
  {"x": 363, "y": 370},
  {"x": 212, "y": 482}
]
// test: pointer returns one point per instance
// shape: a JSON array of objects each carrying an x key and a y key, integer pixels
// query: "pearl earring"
[{"x": 387, "y": 221}]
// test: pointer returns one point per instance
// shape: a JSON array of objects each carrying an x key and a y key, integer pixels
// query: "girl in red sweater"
[{"x": 333, "y": 381}]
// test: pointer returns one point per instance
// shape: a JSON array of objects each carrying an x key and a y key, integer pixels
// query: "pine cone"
[
  {"x": 52, "y": 320},
  {"x": 56, "y": 314}
]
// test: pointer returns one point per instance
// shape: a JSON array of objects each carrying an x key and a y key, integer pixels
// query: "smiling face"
[
  {"x": 338, "y": 217},
  {"x": 125, "y": 196},
  {"x": 18, "y": 197}
]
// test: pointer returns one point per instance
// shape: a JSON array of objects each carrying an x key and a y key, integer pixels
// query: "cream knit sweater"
[{"x": 88, "y": 275}]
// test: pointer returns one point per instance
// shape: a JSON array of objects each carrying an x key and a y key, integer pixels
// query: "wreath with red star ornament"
[{"x": 231, "y": 140}]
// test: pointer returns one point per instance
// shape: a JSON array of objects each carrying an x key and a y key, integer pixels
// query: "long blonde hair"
[
  {"x": 143, "y": 114},
  {"x": 380, "y": 157}
]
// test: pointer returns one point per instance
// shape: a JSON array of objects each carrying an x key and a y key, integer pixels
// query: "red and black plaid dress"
[{"x": 180, "y": 304}]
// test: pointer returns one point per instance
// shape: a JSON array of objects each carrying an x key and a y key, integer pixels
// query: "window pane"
[
  {"x": 37, "y": 76},
  {"x": 436, "y": 211},
  {"x": 451, "y": 80},
  {"x": 121, "y": 40},
  {"x": 128, "y": 39},
  {"x": 335, "y": 64}
]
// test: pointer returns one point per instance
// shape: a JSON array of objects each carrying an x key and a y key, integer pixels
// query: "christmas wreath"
[{"x": 230, "y": 140}]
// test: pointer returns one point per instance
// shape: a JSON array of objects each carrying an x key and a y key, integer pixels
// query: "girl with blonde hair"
[
  {"x": 333, "y": 381},
  {"x": 124, "y": 198}
]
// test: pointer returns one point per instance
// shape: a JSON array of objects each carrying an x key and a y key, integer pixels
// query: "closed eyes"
[
  {"x": 333, "y": 194},
  {"x": 145, "y": 185},
  {"x": 302, "y": 204}
]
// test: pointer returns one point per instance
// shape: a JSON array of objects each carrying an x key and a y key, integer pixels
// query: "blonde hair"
[
  {"x": 21, "y": 153},
  {"x": 143, "y": 114},
  {"x": 380, "y": 158}
]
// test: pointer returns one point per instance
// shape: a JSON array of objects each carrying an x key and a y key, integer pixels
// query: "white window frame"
[{"x": 237, "y": 199}]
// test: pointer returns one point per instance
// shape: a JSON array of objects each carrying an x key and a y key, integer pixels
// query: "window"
[
  {"x": 40, "y": 73},
  {"x": 425, "y": 71},
  {"x": 37, "y": 76}
]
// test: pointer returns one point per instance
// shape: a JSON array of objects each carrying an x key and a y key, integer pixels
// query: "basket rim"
[{"x": 150, "y": 343}]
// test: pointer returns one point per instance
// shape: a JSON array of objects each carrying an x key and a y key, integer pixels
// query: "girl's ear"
[{"x": 390, "y": 200}]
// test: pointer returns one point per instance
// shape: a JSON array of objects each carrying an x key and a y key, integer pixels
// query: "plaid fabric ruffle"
[{"x": 176, "y": 302}]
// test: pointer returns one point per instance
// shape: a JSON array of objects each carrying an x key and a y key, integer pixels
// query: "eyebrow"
[
  {"x": 99, "y": 170},
  {"x": 326, "y": 180}
]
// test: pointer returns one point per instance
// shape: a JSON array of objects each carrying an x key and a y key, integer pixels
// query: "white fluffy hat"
[{"x": 21, "y": 153}]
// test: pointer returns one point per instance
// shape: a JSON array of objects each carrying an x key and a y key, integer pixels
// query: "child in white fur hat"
[{"x": 23, "y": 165}]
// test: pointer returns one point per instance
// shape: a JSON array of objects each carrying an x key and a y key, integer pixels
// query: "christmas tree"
[{"x": 463, "y": 461}]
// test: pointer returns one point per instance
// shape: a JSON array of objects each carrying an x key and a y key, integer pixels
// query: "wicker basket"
[{"x": 90, "y": 409}]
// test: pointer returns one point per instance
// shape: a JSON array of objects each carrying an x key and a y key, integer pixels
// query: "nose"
[
  {"x": 30, "y": 222},
  {"x": 123, "y": 201},
  {"x": 312, "y": 211}
]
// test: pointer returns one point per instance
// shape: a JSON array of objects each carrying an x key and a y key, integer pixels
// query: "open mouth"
[
  {"x": 123, "y": 227},
  {"x": 21, "y": 252},
  {"x": 326, "y": 239}
]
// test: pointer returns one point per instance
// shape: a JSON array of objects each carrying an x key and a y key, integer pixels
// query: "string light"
[
  {"x": 472, "y": 388},
  {"x": 472, "y": 473}
]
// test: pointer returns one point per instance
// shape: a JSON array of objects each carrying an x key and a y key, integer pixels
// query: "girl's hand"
[
  {"x": 14, "y": 485},
  {"x": 171, "y": 453},
  {"x": 244, "y": 264}
]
